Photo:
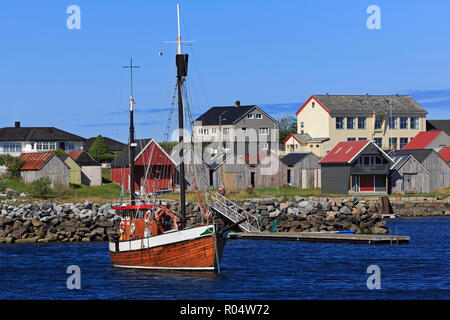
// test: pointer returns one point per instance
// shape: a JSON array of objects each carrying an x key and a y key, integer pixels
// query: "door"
[
  {"x": 367, "y": 183},
  {"x": 407, "y": 183},
  {"x": 252, "y": 179},
  {"x": 289, "y": 181}
]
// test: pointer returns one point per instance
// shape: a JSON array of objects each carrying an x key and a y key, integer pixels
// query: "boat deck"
[{"x": 321, "y": 237}]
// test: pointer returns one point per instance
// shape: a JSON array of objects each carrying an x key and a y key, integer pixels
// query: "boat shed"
[
  {"x": 44, "y": 164},
  {"x": 91, "y": 170},
  {"x": 226, "y": 170},
  {"x": 303, "y": 170},
  {"x": 407, "y": 175},
  {"x": 434, "y": 163},
  {"x": 266, "y": 170},
  {"x": 74, "y": 169},
  {"x": 154, "y": 169},
  {"x": 355, "y": 167}
]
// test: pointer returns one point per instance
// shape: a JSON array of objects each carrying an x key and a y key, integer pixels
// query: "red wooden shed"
[{"x": 153, "y": 168}]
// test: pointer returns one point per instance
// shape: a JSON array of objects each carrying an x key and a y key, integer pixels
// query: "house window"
[
  {"x": 12, "y": 147},
  {"x": 264, "y": 146},
  {"x": 258, "y": 116},
  {"x": 339, "y": 122},
  {"x": 361, "y": 122},
  {"x": 403, "y": 142},
  {"x": 393, "y": 143},
  {"x": 200, "y": 131},
  {"x": 313, "y": 104},
  {"x": 302, "y": 124},
  {"x": 317, "y": 146},
  {"x": 250, "y": 116},
  {"x": 350, "y": 122},
  {"x": 226, "y": 130},
  {"x": 213, "y": 131},
  {"x": 244, "y": 129},
  {"x": 378, "y": 123},
  {"x": 263, "y": 131},
  {"x": 70, "y": 146},
  {"x": 45, "y": 145},
  {"x": 351, "y": 139},
  {"x": 403, "y": 122},
  {"x": 362, "y": 139},
  {"x": 393, "y": 123},
  {"x": 414, "y": 123},
  {"x": 206, "y": 132},
  {"x": 378, "y": 141}
]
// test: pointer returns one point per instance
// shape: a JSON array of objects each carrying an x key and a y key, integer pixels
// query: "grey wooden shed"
[
  {"x": 407, "y": 175},
  {"x": 302, "y": 170}
]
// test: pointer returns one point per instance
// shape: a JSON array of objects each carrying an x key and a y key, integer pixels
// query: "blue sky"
[{"x": 271, "y": 53}]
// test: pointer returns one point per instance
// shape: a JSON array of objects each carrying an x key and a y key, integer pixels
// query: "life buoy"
[{"x": 122, "y": 227}]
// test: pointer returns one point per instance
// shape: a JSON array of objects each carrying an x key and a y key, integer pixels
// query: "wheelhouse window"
[{"x": 339, "y": 122}]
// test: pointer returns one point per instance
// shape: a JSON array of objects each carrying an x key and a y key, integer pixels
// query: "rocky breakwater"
[
  {"x": 318, "y": 215},
  {"x": 48, "y": 222}
]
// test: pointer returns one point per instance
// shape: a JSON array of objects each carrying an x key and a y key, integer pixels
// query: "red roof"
[
  {"x": 74, "y": 154},
  {"x": 343, "y": 152},
  {"x": 422, "y": 140},
  {"x": 35, "y": 160},
  {"x": 445, "y": 153}
]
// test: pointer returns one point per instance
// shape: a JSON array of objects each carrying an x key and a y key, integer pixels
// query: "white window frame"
[
  {"x": 250, "y": 116},
  {"x": 258, "y": 116},
  {"x": 264, "y": 131},
  {"x": 264, "y": 146}
]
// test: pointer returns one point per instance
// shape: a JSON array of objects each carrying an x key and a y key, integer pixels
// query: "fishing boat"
[{"x": 151, "y": 235}]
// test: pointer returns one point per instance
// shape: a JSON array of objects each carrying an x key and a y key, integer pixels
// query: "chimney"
[
  {"x": 17, "y": 124},
  {"x": 237, "y": 103}
]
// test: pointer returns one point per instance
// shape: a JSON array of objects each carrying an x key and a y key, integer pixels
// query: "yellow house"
[
  {"x": 75, "y": 169},
  {"x": 389, "y": 121}
]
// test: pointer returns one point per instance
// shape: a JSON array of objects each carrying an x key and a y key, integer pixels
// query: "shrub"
[
  {"x": 13, "y": 164},
  {"x": 41, "y": 188},
  {"x": 2, "y": 185}
]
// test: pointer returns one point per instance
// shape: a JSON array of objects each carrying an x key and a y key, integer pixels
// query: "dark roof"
[
  {"x": 123, "y": 159},
  {"x": 380, "y": 104},
  {"x": 439, "y": 125},
  {"x": 82, "y": 158},
  {"x": 113, "y": 145},
  {"x": 37, "y": 134},
  {"x": 229, "y": 114},
  {"x": 293, "y": 158},
  {"x": 419, "y": 154}
]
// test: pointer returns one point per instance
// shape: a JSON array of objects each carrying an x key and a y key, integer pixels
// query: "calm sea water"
[{"x": 249, "y": 270}]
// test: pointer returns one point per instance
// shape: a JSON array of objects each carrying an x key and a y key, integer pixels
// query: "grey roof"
[
  {"x": 444, "y": 125},
  {"x": 229, "y": 114},
  {"x": 122, "y": 160},
  {"x": 293, "y": 158},
  {"x": 37, "y": 134},
  {"x": 380, "y": 104},
  {"x": 302, "y": 137},
  {"x": 399, "y": 160},
  {"x": 418, "y": 154},
  {"x": 113, "y": 145}
]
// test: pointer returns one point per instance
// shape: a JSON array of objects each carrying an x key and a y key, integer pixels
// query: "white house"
[{"x": 16, "y": 140}]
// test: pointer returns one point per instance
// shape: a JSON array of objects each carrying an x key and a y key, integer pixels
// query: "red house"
[{"x": 154, "y": 169}]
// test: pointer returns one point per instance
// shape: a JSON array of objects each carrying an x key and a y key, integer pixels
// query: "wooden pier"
[{"x": 321, "y": 237}]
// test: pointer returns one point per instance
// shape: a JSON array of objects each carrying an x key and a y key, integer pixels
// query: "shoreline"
[{"x": 34, "y": 221}]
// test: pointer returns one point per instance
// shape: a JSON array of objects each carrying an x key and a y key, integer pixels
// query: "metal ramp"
[{"x": 232, "y": 211}]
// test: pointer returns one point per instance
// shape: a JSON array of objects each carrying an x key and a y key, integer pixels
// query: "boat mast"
[
  {"x": 181, "y": 62},
  {"x": 131, "y": 143}
]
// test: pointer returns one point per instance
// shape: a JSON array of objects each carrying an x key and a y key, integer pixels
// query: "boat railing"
[{"x": 233, "y": 211}]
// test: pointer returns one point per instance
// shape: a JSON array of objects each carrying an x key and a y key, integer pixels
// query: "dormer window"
[
  {"x": 250, "y": 116},
  {"x": 258, "y": 116}
]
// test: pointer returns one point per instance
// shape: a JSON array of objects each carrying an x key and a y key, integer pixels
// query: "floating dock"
[{"x": 321, "y": 237}]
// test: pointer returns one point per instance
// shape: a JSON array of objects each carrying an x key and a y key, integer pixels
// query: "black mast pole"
[
  {"x": 182, "y": 62},
  {"x": 131, "y": 143}
]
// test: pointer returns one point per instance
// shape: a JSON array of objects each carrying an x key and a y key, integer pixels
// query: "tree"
[
  {"x": 13, "y": 164},
  {"x": 99, "y": 150},
  {"x": 287, "y": 126}
]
